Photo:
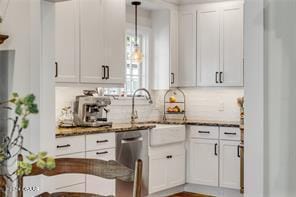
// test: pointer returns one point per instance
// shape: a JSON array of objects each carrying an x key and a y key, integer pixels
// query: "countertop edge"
[
  {"x": 140, "y": 126},
  {"x": 102, "y": 130}
]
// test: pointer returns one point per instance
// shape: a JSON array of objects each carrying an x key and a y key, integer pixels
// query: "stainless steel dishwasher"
[{"x": 131, "y": 146}]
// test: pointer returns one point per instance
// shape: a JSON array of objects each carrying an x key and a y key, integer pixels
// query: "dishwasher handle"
[{"x": 131, "y": 140}]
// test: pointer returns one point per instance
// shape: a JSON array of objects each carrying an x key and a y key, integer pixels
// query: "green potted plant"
[{"x": 11, "y": 144}]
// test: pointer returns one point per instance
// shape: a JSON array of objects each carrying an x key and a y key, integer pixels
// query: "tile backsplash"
[
  {"x": 208, "y": 103},
  {"x": 120, "y": 110},
  {"x": 201, "y": 103}
]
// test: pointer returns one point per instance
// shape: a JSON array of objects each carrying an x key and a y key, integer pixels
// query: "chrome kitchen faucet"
[{"x": 134, "y": 115}]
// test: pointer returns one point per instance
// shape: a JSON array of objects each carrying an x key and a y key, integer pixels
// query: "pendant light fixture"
[{"x": 137, "y": 54}]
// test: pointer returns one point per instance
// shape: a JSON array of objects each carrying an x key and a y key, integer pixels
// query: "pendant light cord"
[{"x": 136, "y": 24}]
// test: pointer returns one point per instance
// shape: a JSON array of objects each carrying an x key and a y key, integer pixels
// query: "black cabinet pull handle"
[
  {"x": 204, "y": 132},
  {"x": 227, "y": 133},
  {"x": 102, "y": 153},
  {"x": 102, "y": 141},
  {"x": 216, "y": 153},
  {"x": 217, "y": 73},
  {"x": 108, "y": 72},
  {"x": 104, "y": 72},
  {"x": 169, "y": 157},
  {"x": 56, "y": 69},
  {"x": 220, "y": 77},
  {"x": 238, "y": 151},
  {"x": 173, "y": 78},
  {"x": 64, "y": 146}
]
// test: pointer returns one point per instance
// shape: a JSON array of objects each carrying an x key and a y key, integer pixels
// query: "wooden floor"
[{"x": 188, "y": 194}]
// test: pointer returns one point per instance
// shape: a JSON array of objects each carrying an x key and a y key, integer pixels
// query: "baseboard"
[
  {"x": 214, "y": 191},
  {"x": 200, "y": 189},
  {"x": 168, "y": 192}
]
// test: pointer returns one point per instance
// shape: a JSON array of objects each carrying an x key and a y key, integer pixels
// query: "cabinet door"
[
  {"x": 231, "y": 64},
  {"x": 64, "y": 181},
  {"x": 157, "y": 173},
  {"x": 97, "y": 185},
  {"x": 229, "y": 164},
  {"x": 91, "y": 41},
  {"x": 67, "y": 41},
  {"x": 176, "y": 170},
  {"x": 203, "y": 162},
  {"x": 174, "y": 28},
  {"x": 187, "y": 50},
  {"x": 208, "y": 46},
  {"x": 114, "y": 39}
]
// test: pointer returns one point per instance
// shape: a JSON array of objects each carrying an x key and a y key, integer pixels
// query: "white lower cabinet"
[
  {"x": 65, "y": 182},
  {"x": 97, "y": 185},
  {"x": 230, "y": 164},
  {"x": 214, "y": 162},
  {"x": 98, "y": 146},
  {"x": 166, "y": 169},
  {"x": 176, "y": 170},
  {"x": 157, "y": 173},
  {"x": 203, "y": 162}
]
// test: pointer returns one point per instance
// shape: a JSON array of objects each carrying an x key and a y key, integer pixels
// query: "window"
[{"x": 135, "y": 74}]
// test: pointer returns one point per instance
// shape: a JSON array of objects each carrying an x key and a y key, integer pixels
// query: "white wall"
[
  {"x": 16, "y": 24},
  {"x": 28, "y": 23},
  {"x": 254, "y": 104},
  {"x": 144, "y": 16},
  {"x": 280, "y": 97}
]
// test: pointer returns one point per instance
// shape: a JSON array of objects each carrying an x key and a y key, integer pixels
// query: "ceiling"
[
  {"x": 191, "y": 1},
  {"x": 151, "y": 4}
]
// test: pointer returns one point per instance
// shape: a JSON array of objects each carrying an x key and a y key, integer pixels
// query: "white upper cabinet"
[
  {"x": 102, "y": 30},
  {"x": 174, "y": 49},
  {"x": 187, "y": 48},
  {"x": 220, "y": 44},
  {"x": 208, "y": 46},
  {"x": 90, "y": 41},
  {"x": 231, "y": 64},
  {"x": 114, "y": 39},
  {"x": 66, "y": 41},
  {"x": 161, "y": 49},
  {"x": 211, "y": 44}
]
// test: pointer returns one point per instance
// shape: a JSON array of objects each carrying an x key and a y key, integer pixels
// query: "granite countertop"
[
  {"x": 73, "y": 131},
  {"x": 213, "y": 123}
]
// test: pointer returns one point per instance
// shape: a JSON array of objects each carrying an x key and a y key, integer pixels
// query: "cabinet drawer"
[
  {"x": 204, "y": 132},
  {"x": 229, "y": 133},
  {"x": 103, "y": 154},
  {"x": 97, "y": 185},
  {"x": 69, "y": 145},
  {"x": 100, "y": 141}
]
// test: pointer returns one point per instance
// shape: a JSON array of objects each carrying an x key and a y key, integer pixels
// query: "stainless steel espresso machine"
[{"x": 91, "y": 111}]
